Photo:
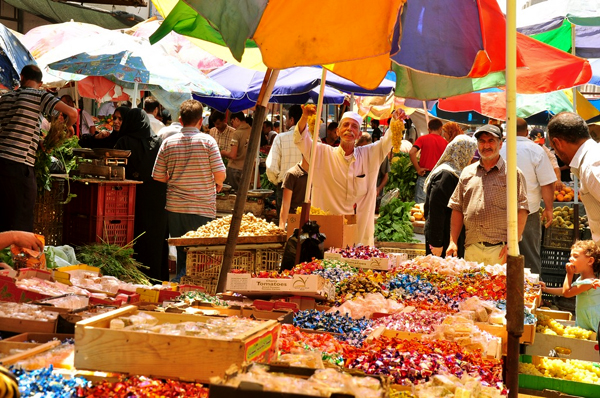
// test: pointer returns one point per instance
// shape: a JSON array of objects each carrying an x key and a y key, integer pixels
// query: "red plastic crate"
[
  {"x": 107, "y": 199},
  {"x": 81, "y": 230}
]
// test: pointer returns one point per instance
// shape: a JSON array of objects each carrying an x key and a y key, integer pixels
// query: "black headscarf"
[
  {"x": 137, "y": 136},
  {"x": 123, "y": 110}
]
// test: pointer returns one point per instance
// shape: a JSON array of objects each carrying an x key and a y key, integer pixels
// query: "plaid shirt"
[
  {"x": 223, "y": 139},
  {"x": 481, "y": 197},
  {"x": 283, "y": 156}
]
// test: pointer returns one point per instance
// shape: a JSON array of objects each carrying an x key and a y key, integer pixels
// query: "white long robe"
[{"x": 339, "y": 183}]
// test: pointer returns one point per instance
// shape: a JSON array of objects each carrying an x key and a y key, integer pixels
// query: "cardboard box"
[
  {"x": 540, "y": 383},
  {"x": 341, "y": 230},
  {"x": 562, "y": 315},
  {"x": 376, "y": 263},
  {"x": 190, "y": 358},
  {"x": 299, "y": 285}
]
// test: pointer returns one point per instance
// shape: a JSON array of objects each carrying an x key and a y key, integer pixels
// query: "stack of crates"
[
  {"x": 48, "y": 213},
  {"x": 101, "y": 212},
  {"x": 203, "y": 264},
  {"x": 553, "y": 268}
]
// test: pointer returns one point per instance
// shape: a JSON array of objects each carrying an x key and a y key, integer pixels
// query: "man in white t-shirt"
[
  {"x": 85, "y": 122},
  {"x": 153, "y": 109}
]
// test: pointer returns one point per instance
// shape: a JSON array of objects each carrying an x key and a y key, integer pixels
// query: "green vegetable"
[
  {"x": 403, "y": 176},
  {"x": 6, "y": 256},
  {"x": 50, "y": 258},
  {"x": 265, "y": 183},
  {"x": 114, "y": 260},
  {"x": 393, "y": 223}
]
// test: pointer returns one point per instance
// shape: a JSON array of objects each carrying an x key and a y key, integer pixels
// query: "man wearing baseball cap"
[
  {"x": 345, "y": 174},
  {"x": 479, "y": 203}
]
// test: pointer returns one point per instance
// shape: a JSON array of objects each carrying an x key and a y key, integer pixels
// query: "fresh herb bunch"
[
  {"x": 115, "y": 261},
  {"x": 6, "y": 256},
  {"x": 403, "y": 176},
  {"x": 393, "y": 223}
]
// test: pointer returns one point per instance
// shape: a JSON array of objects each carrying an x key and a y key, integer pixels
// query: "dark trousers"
[
  {"x": 179, "y": 224},
  {"x": 17, "y": 200}
]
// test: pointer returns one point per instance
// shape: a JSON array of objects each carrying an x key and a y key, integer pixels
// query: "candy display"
[
  {"x": 450, "y": 386},
  {"x": 416, "y": 361},
  {"x": 58, "y": 357},
  {"x": 193, "y": 296},
  {"x": 26, "y": 312},
  {"x": 365, "y": 307},
  {"x": 145, "y": 387},
  {"x": 294, "y": 340},
  {"x": 250, "y": 226},
  {"x": 44, "y": 383},
  {"x": 350, "y": 330},
  {"x": 323, "y": 383},
  {"x": 214, "y": 328},
  {"x": 70, "y": 301},
  {"x": 49, "y": 288},
  {"x": 422, "y": 321}
]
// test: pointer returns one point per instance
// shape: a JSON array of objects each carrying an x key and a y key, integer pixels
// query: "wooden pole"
[
  {"x": 240, "y": 201},
  {"x": 515, "y": 262},
  {"x": 305, "y": 213}
]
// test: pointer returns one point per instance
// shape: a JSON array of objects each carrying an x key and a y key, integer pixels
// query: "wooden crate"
[{"x": 175, "y": 357}]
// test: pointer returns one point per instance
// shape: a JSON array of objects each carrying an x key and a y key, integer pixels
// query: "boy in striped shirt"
[{"x": 191, "y": 165}]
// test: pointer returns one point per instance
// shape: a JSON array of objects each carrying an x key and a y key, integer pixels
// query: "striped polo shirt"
[
  {"x": 20, "y": 123},
  {"x": 188, "y": 161}
]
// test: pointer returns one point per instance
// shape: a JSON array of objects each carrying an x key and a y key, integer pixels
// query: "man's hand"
[
  {"x": 547, "y": 215},
  {"x": 452, "y": 249},
  {"x": 436, "y": 251},
  {"x": 27, "y": 240},
  {"x": 219, "y": 187},
  {"x": 70, "y": 131},
  {"x": 503, "y": 254},
  {"x": 559, "y": 186},
  {"x": 421, "y": 171}
]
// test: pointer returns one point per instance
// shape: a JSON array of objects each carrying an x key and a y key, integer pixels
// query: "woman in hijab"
[
  {"x": 439, "y": 186},
  {"x": 109, "y": 142},
  {"x": 150, "y": 223}
]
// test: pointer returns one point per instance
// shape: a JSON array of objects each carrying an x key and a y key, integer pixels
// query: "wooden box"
[
  {"x": 176, "y": 357},
  {"x": 527, "y": 337},
  {"x": 340, "y": 231},
  {"x": 565, "y": 347},
  {"x": 376, "y": 263},
  {"x": 26, "y": 325}
]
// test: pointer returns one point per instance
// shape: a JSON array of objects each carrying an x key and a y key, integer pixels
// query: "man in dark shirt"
[{"x": 376, "y": 136}]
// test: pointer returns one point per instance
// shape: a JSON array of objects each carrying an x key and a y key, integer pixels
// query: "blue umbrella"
[
  {"x": 293, "y": 86},
  {"x": 13, "y": 57}
]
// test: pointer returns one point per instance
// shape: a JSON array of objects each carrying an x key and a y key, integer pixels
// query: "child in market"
[{"x": 585, "y": 261}]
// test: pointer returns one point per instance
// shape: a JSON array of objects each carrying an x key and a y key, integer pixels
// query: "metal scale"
[{"x": 101, "y": 163}]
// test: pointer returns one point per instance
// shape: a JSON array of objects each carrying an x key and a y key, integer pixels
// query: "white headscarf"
[{"x": 456, "y": 157}]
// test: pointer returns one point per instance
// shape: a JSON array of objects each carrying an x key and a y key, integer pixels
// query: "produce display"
[
  {"x": 397, "y": 129},
  {"x": 402, "y": 176},
  {"x": 393, "y": 223},
  {"x": 562, "y": 217},
  {"x": 417, "y": 212},
  {"x": 114, "y": 260},
  {"x": 569, "y": 369},
  {"x": 564, "y": 195},
  {"x": 250, "y": 226},
  {"x": 549, "y": 325}
]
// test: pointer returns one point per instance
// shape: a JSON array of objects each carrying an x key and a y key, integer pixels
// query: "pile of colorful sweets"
[
  {"x": 44, "y": 383},
  {"x": 345, "y": 328},
  {"x": 361, "y": 252},
  {"x": 358, "y": 286},
  {"x": 422, "y": 321},
  {"x": 144, "y": 387},
  {"x": 416, "y": 360},
  {"x": 410, "y": 285},
  {"x": 336, "y": 271},
  {"x": 292, "y": 340}
]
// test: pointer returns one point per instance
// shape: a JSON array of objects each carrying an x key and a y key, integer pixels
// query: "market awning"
[{"x": 64, "y": 12}]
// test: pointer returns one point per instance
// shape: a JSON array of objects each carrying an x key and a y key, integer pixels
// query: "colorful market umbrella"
[
  {"x": 293, "y": 86},
  {"x": 132, "y": 62},
  {"x": 179, "y": 46},
  {"x": 454, "y": 38},
  {"x": 13, "y": 57}
]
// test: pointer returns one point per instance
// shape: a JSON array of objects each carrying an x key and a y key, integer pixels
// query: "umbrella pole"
[
  {"x": 426, "y": 112},
  {"x": 305, "y": 213},
  {"x": 240, "y": 201},
  {"x": 515, "y": 262}
]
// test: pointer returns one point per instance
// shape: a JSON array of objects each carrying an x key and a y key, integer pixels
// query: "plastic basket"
[
  {"x": 49, "y": 213},
  {"x": 268, "y": 260},
  {"x": 552, "y": 279},
  {"x": 558, "y": 238},
  {"x": 82, "y": 229},
  {"x": 116, "y": 200},
  {"x": 554, "y": 260},
  {"x": 205, "y": 262}
]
